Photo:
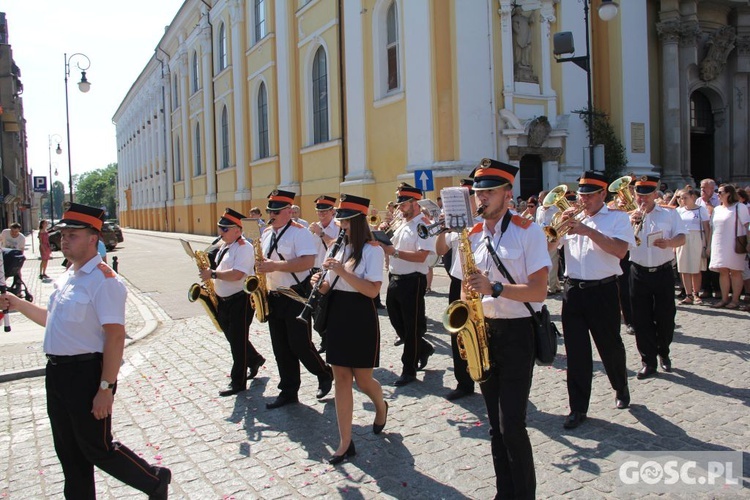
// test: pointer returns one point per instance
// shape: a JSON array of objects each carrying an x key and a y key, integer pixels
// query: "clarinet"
[
  {"x": 312, "y": 301},
  {"x": 4, "y": 314}
]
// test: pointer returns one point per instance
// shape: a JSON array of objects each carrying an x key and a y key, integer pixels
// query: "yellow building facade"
[{"x": 330, "y": 96}]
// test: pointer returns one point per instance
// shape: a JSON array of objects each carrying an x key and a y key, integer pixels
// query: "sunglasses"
[
  {"x": 722, "y": 192},
  {"x": 224, "y": 229},
  {"x": 273, "y": 212}
]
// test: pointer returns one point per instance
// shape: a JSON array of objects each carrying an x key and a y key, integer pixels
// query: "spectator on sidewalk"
[
  {"x": 45, "y": 251},
  {"x": 12, "y": 238}
]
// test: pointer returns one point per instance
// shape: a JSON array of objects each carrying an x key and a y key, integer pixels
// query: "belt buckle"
[
  {"x": 581, "y": 285},
  {"x": 51, "y": 359},
  {"x": 653, "y": 269}
]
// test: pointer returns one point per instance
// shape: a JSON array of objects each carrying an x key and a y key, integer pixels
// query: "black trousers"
[
  {"x": 506, "y": 394},
  {"x": 292, "y": 343},
  {"x": 652, "y": 295},
  {"x": 405, "y": 304},
  {"x": 596, "y": 310},
  {"x": 465, "y": 382},
  {"x": 623, "y": 284},
  {"x": 235, "y": 315},
  {"x": 81, "y": 441}
]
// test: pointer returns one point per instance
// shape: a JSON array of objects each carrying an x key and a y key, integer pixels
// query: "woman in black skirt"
[{"x": 354, "y": 277}]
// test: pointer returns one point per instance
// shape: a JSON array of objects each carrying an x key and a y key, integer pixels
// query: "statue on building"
[
  {"x": 522, "y": 47},
  {"x": 720, "y": 44}
]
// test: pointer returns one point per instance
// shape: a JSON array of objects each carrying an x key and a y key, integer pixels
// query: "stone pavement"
[{"x": 167, "y": 409}]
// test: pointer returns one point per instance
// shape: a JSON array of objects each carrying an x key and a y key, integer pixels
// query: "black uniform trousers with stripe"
[
  {"x": 81, "y": 441},
  {"x": 406, "y": 311},
  {"x": 652, "y": 295},
  {"x": 595, "y": 309},
  {"x": 506, "y": 394},
  {"x": 235, "y": 315},
  {"x": 292, "y": 343}
]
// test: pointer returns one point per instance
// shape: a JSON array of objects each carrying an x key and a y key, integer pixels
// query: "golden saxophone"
[
  {"x": 205, "y": 291},
  {"x": 256, "y": 286},
  {"x": 465, "y": 319}
]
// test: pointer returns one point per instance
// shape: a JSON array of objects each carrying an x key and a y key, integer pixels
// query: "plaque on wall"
[{"x": 637, "y": 137}]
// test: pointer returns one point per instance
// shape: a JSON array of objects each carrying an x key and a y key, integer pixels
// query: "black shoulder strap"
[{"x": 275, "y": 240}]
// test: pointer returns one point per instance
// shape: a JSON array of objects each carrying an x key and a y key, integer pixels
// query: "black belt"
[
  {"x": 231, "y": 297},
  {"x": 666, "y": 265},
  {"x": 590, "y": 283},
  {"x": 396, "y": 277},
  {"x": 76, "y": 358}
]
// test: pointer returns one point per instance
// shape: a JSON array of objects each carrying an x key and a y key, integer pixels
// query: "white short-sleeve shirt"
[
  {"x": 295, "y": 242},
  {"x": 83, "y": 301},
  {"x": 406, "y": 239},
  {"x": 369, "y": 268},
  {"x": 660, "y": 219},
  {"x": 693, "y": 218},
  {"x": 238, "y": 256},
  {"x": 332, "y": 231}
]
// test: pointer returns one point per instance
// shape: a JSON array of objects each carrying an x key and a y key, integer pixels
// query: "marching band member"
[
  {"x": 289, "y": 254},
  {"x": 84, "y": 338},
  {"x": 234, "y": 262},
  {"x": 593, "y": 247},
  {"x": 407, "y": 285},
  {"x": 521, "y": 247},
  {"x": 354, "y": 277},
  {"x": 446, "y": 245},
  {"x": 544, "y": 218},
  {"x": 651, "y": 278}
]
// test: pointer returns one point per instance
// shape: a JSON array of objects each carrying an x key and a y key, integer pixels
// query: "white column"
[
  {"x": 547, "y": 17},
  {"x": 506, "y": 45},
  {"x": 419, "y": 83},
  {"x": 166, "y": 116},
  {"x": 240, "y": 100},
  {"x": 187, "y": 156},
  {"x": 356, "y": 144},
  {"x": 209, "y": 124},
  {"x": 287, "y": 143},
  {"x": 474, "y": 81}
]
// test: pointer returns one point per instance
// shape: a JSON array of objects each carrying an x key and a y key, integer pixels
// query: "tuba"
[
  {"x": 621, "y": 186},
  {"x": 373, "y": 220},
  {"x": 205, "y": 291},
  {"x": 256, "y": 286},
  {"x": 465, "y": 319},
  {"x": 558, "y": 228}
]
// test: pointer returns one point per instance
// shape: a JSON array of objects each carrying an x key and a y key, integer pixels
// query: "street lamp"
[
  {"x": 84, "y": 86},
  {"x": 52, "y": 139},
  {"x": 563, "y": 44}
]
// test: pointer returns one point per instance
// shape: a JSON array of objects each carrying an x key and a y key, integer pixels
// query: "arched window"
[
  {"x": 260, "y": 20},
  {"x": 320, "y": 97},
  {"x": 198, "y": 165},
  {"x": 196, "y": 82},
  {"x": 392, "y": 46},
  {"x": 177, "y": 161},
  {"x": 222, "y": 46},
  {"x": 263, "y": 143},
  {"x": 175, "y": 93},
  {"x": 224, "y": 138}
]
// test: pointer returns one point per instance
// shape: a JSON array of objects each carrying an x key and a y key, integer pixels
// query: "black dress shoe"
[
  {"x": 377, "y": 428},
  {"x": 350, "y": 452},
  {"x": 424, "y": 357},
  {"x": 404, "y": 379},
  {"x": 324, "y": 387},
  {"x": 666, "y": 363},
  {"x": 162, "y": 490},
  {"x": 646, "y": 372},
  {"x": 575, "y": 419},
  {"x": 230, "y": 391},
  {"x": 255, "y": 367},
  {"x": 399, "y": 341},
  {"x": 281, "y": 400},
  {"x": 622, "y": 398},
  {"x": 457, "y": 393}
]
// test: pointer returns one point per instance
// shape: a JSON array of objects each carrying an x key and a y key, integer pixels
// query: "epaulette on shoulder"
[
  {"x": 106, "y": 270},
  {"x": 477, "y": 228},
  {"x": 425, "y": 220},
  {"x": 297, "y": 224},
  {"x": 521, "y": 222},
  {"x": 241, "y": 241},
  {"x": 664, "y": 205}
]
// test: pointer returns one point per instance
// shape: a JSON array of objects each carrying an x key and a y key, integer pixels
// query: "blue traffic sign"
[
  {"x": 423, "y": 180},
  {"x": 40, "y": 184}
]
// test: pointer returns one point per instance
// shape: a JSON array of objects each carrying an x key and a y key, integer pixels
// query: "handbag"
[
  {"x": 320, "y": 313},
  {"x": 740, "y": 242},
  {"x": 545, "y": 331}
]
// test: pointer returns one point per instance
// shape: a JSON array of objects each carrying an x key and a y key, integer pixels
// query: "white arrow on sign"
[{"x": 423, "y": 179}]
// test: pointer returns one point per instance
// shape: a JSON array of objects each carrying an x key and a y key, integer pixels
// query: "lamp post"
[
  {"x": 84, "y": 86},
  {"x": 52, "y": 139},
  {"x": 563, "y": 44}
]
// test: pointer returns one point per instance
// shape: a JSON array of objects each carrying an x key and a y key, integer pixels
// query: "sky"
[{"x": 119, "y": 38}]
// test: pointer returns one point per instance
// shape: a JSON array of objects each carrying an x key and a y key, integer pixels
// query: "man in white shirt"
[
  {"x": 544, "y": 218},
  {"x": 12, "y": 238}
]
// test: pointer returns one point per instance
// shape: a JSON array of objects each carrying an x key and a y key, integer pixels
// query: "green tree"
[
  {"x": 615, "y": 158},
  {"x": 98, "y": 188}
]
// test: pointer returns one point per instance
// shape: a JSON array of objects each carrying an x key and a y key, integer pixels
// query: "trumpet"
[
  {"x": 621, "y": 186},
  {"x": 558, "y": 227},
  {"x": 312, "y": 301},
  {"x": 391, "y": 226},
  {"x": 425, "y": 231},
  {"x": 638, "y": 225}
]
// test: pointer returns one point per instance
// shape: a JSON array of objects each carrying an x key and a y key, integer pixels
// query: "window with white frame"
[
  {"x": 222, "y": 46},
  {"x": 177, "y": 161},
  {"x": 263, "y": 142},
  {"x": 259, "y": 13},
  {"x": 392, "y": 46},
  {"x": 198, "y": 164},
  {"x": 196, "y": 82},
  {"x": 224, "y": 138},
  {"x": 320, "y": 96}
]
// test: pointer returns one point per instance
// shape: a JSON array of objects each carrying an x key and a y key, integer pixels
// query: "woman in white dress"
[
  {"x": 728, "y": 218},
  {"x": 691, "y": 257}
]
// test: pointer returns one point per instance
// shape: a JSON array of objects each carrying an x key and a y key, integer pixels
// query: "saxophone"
[
  {"x": 256, "y": 286},
  {"x": 204, "y": 292},
  {"x": 465, "y": 319}
]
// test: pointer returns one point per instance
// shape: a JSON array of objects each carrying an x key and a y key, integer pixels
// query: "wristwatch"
[
  {"x": 104, "y": 385},
  {"x": 213, "y": 274},
  {"x": 497, "y": 289},
  {"x": 395, "y": 254}
]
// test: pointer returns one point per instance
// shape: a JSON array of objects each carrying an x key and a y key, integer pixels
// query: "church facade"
[{"x": 330, "y": 96}]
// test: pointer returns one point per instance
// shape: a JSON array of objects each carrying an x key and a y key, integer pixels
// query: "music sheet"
[{"x": 457, "y": 208}]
